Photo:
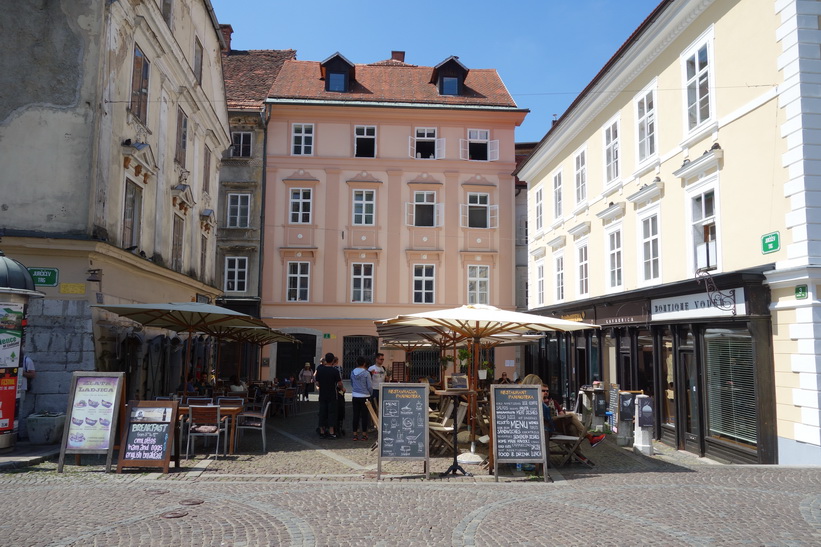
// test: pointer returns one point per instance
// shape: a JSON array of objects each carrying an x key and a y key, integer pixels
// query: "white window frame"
[
  {"x": 477, "y": 200},
  {"x": 538, "y": 207},
  {"x": 611, "y": 133},
  {"x": 411, "y": 213},
  {"x": 302, "y": 139},
  {"x": 182, "y": 137},
  {"x": 363, "y": 133},
  {"x": 296, "y": 278},
  {"x": 643, "y": 241},
  {"x": 303, "y": 206},
  {"x": 238, "y": 210},
  {"x": 362, "y": 278},
  {"x": 540, "y": 283},
  {"x": 478, "y": 137},
  {"x": 238, "y": 148},
  {"x": 580, "y": 176},
  {"x": 558, "y": 273},
  {"x": 583, "y": 267},
  {"x": 696, "y": 247},
  {"x": 364, "y": 207},
  {"x": 691, "y": 85},
  {"x": 132, "y": 214},
  {"x": 614, "y": 257},
  {"x": 236, "y": 272},
  {"x": 646, "y": 125},
  {"x": 557, "y": 195},
  {"x": 426, "y": 134},
  {"x": 478, "y": 286},
  {"x": 424, "y": 285}
]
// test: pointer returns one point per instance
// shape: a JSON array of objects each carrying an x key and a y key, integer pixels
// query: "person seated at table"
[
  {"x": 188, "y": 386},
  {"x": 557, "y": 420},
  {"x": 503, "y": 379},
  {"x": 236, "y": 385}
]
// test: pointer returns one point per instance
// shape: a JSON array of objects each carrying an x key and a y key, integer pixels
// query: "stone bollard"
[{"x": 643, "y": 426}]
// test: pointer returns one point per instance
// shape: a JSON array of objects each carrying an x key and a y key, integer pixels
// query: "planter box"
[{"x": 45, "y": 428}]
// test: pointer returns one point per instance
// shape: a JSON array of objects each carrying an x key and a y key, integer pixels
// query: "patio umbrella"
[{"x": 187, "y": 317}]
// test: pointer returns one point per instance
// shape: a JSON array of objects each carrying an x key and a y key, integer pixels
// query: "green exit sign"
[
  {"x": 45, "y": 277},
  {"x": 770, "y": 243}
]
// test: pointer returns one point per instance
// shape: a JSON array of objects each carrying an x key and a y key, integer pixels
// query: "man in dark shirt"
[{"x": 328, "y": 380}]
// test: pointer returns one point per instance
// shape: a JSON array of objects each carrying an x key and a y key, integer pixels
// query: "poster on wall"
[{"x": 91, "y": 418}]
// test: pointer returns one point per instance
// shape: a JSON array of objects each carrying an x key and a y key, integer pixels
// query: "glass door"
[{"x": 690, "y": 398}]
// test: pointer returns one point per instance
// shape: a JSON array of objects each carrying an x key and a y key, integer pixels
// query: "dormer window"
[
  {"x": 338, "y": 73},
  {"x": 449, "y": 76},
  {"x": 449, "y": 85}
]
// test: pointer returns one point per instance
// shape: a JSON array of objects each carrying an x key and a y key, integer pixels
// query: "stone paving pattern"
[{"x": 309, "y": 491}]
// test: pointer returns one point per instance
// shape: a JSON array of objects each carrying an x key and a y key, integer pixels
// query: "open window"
[
  {"x": 478, "y": 146},
  {"x": 365, "y": 141},
  {"x": 425, "y": 146},
  {"x": 423, "y": 210}
]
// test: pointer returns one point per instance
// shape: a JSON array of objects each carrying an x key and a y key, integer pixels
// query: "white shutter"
[
  {"x": 409, "y": 210},
  {"x": 464, "y": 209},
  {"x": 412, "y": 147},
  {"x": 493, "y": 151},
  {"x": 463, "y": 149},
  {"x": 440, "y": 149},
  {"x": 494, "y": 216},
  {"x": 438, "y": 212}
]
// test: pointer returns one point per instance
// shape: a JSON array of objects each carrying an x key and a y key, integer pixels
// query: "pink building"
[{"x": 388, "y": 191}]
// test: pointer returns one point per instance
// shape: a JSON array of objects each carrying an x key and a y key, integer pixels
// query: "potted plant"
[
  {"x": 464, "y": 358},
  {"x": 485, "y": 370}
]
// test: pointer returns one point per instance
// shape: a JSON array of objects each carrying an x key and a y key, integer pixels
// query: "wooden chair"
[
  {"x": 199, "y": 401},
  {"x": 254, "y": 420},
  {"x": 289, "y": 401},
  {"x": 374, "y": 421},
  {"x": 568, "y": 447},
  {"x": 442, "y": 433},
  {"x": 205, "y": 421}
]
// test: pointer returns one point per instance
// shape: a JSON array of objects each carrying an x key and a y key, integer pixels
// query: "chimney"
[
  {"x": 227, "y": 31},
  {"x": 398, "y": 56}
]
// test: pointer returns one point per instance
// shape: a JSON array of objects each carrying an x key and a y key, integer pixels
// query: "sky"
[{"x": 546, "y": 51}]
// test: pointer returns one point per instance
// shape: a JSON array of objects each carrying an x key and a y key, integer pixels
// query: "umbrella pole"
[
  {"x": 184, "y": 367},
  {"x": 474, "y": 399}
]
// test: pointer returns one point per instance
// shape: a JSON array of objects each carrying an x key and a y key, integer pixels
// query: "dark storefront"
[{"x": 701, "y": 348}]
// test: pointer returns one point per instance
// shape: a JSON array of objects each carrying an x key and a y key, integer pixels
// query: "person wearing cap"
[
  {"x": 328, "y": 381},
  {"x": 306, "y": 378}
]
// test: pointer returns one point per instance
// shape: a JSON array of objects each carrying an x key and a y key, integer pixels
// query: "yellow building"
[
  {"x": 673, "y": 205},
  {"x": 389, "y": 190}
]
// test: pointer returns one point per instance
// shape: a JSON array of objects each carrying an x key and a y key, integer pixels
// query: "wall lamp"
[{"x": 95, "y": 276}]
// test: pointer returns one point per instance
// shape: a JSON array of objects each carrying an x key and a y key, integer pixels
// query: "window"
[
  {"x": 423, "y": 283},
  {"x": 242, "y": 144},
  {"x": 132, "y": 215},
  {"x": 300, "y": 206},
  {"x": 302, "y": 137},
  {"x": 704, "y": 230},
  {"x": 584, "y": 270},
  {"x": 650, "y": 248},
  {"x": 478, "y": 213},
  {"x": 176, "y": 243},
  {"x": 206, "y": 169},
  {"x": 239, "y": 211},
  {"x": 182, "y": 137},
  {"x": 236, "y": 274},
  {"x": 614, "y": 266},
  {"x": 167, "y": 8},
  {"x": 449, "y": 85},
  {"x": 338, "y": 82},
  {"x": 478, "y": 284},
  {"x": 425, "y": 145},
  {"x": 365, "y": 141},
  {"x": 139, "y": 86},
  {"x": 558, "y": 262},
  {"x": 203, "y": 256},
  {"x": 478, "y": 146},
  {"x": 697, "y": 83},
  {"x": 581, "y": 177},
  {"x": 364, "y": 205},
  {"x": 557, "y": 195},
  {"x": 198, "y": 60},
  {"x": 424, "y": 211},
  {"x": 538, "y": 205},
  {"x": 540, "y": 284},
  {"x": 611, "y": 152},
  {"x": 298, "y": 281},
  {"x": 646, "y": 117},
  {"x": 361, "y": 282}
]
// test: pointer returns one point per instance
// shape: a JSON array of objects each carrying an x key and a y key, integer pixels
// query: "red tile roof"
[
  {"x": 390, "y": 81},
  {"x": 249, "y": 75}
]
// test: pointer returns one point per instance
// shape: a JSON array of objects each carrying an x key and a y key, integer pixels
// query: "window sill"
[{"x": 612, "y": 188}]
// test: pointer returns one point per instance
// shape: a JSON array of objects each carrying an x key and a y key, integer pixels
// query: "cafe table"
[
  {"x": 232, "y": 411},
  {"x": 455, "y": 394}
]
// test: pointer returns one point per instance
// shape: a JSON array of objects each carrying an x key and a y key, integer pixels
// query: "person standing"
[
  {"x": 306, "y": 378},
  {"x": 378, "y": 375},
  {"x": 361, "y": 389},
  {"x": 328, "y": 381},
  {"x": 26, "y": 376}
]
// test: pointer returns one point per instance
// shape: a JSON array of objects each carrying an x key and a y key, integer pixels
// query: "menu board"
[
  {"x": 148, "y": 434},
  {"x": 518, "y": 429},
  {"x": 613, "y": 406},
  {"x": 91, "y": 417},
  {"x": 403, "y": 423}
]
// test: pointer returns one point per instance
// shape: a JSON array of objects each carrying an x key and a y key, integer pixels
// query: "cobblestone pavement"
[{"x": 308, "y": 491}]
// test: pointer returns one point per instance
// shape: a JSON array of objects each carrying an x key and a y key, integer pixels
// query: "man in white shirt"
[
  {"x": 27, "y": 374},
  {"x": 378, "y": 375}
]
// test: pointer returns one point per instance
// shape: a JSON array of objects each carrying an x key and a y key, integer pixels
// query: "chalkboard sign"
[
  {"x": 613, "y": 406},
  {"x": 148, "y": 435},
  {"x": 91, "y": 418},
  {"x": 403, "y": 423},
  {"x": 518, "y": 427}
]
